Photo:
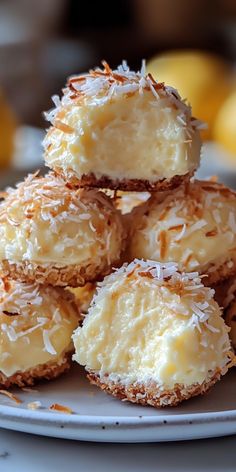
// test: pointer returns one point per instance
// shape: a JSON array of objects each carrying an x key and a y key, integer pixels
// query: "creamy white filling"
[
  {"x": 132, "y": 137},
  {"x": 140, "y": 330}
]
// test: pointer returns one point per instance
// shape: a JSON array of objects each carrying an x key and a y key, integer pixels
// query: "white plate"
[{"x": 99, "y": 417}]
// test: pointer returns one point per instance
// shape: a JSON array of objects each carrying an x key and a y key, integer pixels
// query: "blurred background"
[{"x": 190, "y": 45}]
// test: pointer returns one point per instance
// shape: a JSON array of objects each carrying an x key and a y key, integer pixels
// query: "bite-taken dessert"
[
  {"x": 55, "y": 235},
  {"x": 36, "y": 324},
  {"x": 122, "y": 129},
  {"x": 153, "y": 335},
  {"x": 194, "y": 225}
]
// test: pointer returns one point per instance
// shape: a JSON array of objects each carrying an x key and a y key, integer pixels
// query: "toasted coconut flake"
[
  {"x": 213, "y": 232},
  {"x": 63, "y": 127},
  {"x": 164, "y": 213},
  {"x": 9, "y": 313},
  {"x": 149, "y": 275},
  {"x": 11, "y": 396},
  {"x": 214, "y": 178},
  {"x": 163, "y": 243},
  {"x": 6, "y": 284},
  {"x": 107, "y": 68},
  {"x": 181, "y": 234},
  {"x": 61, "y": 408},
  {"x": 176, "y": 228}
]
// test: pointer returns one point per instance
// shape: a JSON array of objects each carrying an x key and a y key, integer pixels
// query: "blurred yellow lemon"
[
  {"x": 225, "y": 125},
  {"x": 203, "y": 79},
  {"x": 7, "y": 131}
]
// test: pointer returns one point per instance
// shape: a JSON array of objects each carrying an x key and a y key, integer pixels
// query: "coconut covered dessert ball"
[
  {"x": 121, "y": 130},
  {"x": 36, "y": 324},
  {"x": 83, "y": 296},
  {"x": 55, "y": 235},
  {"x": 194, "y": 225},
  {"x": 153, "y": 335}
]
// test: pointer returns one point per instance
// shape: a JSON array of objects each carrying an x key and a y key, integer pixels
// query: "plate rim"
[{"x": 51, "y": 417}]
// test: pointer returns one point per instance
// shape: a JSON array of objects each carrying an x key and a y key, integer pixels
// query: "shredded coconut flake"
[
  {"x": 212, "y": 328},
  {"x": 47, "y": 343},
  {"x": 10, "y": 396},
  {"x": 181, "y": 233},
  {"x": 195, "y": 227},
  {"x": 61, "y": 408}
]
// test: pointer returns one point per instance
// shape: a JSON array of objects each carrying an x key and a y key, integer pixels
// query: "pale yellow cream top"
[
  {"x": 149, "y": 323},
  {"x": 44, "y": 221},
  {"x": 194, "y": 225},
  {"x": 123, "y": 125},
  {"x": 36, "y": 324}
]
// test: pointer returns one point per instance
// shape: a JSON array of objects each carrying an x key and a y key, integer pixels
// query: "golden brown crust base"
[
  {"x": 48, "y": 371},
  {"x": 151, "y": 395},
  {"x": 220, "y": 273},
  {"x": 72, "y": 276},
  {"x": 130, "y": 185}
]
